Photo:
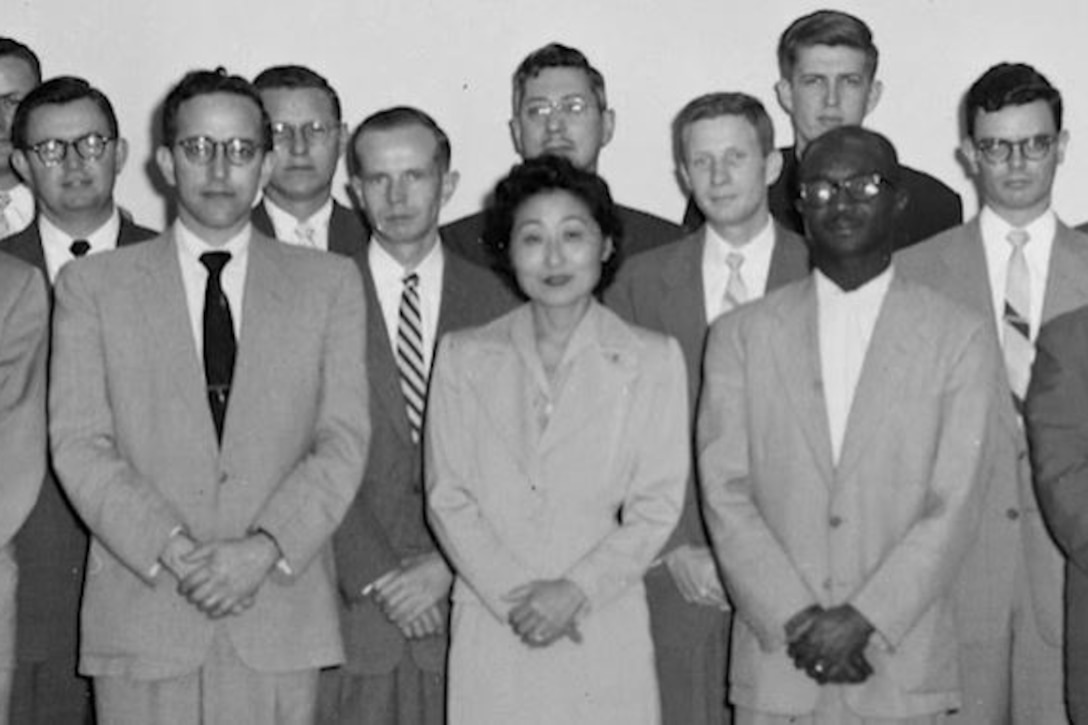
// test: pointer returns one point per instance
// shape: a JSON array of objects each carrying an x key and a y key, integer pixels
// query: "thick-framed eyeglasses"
[
  {"x": 999, "y": 150},
  {"x": 566, "y": 107},
  {"x": 864, "y": 187},
  {"x": 201, "y": 150},
  {"x": 53, "y": 151},
  {"x": 312, "y": 132}
]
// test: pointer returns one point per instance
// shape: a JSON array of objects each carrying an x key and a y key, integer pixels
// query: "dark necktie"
[
  {"x": 79, "y": 247},
  {"x": 219, "y": 346}
]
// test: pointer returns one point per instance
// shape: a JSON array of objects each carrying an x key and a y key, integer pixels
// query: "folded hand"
[{"x": 545, "y": 610}]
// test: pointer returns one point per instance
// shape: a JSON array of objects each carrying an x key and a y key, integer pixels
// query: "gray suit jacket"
[
  {"x": 954, "y": 263},
  {"x": 135, "y": 448}
]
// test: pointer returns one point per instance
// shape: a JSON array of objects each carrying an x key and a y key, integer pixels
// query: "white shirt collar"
[
  {"x": 56, "y": 243},
  {"x": 284, "y": 223}
]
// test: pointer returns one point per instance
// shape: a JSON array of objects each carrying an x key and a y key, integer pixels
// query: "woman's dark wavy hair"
[{"x": 541, "y": 175}]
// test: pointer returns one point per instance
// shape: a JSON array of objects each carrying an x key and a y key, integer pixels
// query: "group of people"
[{"x": 819, "y": 455}]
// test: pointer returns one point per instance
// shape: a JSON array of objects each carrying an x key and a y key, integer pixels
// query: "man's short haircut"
[
  {"x": 399, "y": 117},
  {"x": 59, "y": 91},
  {"x": 554, "y": 55},
  {"x": 716, "y": 105},
  {"x": 825, "y": 27},
  {"x": 297, "y": 76},
  {"x": 12, "y": 48},
  {"x": 203, "y": 83},
  {"x": 1010, "y": 84},
  {"x": 853, "y": 136}
]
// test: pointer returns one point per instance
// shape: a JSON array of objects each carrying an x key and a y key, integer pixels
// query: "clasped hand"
[
  {"x": 220, "y": 578},
  {"x": 545, "y": 610},
  {"x": 829, "y": 644},
  {"x": 411, "y": 596}
]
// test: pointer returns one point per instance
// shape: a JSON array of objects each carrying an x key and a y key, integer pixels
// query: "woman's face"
[{"x": 556, "y": 249}]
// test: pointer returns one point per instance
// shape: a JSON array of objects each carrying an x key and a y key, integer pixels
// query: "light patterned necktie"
[
  {"x": 736, "y": 292},
  {"x": 1017, "y": 315},
  {"x": 413, "y": 371},
  {"x": 306, "y": 235}
]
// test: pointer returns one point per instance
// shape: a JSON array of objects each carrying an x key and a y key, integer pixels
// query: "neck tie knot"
[
  {"x": 214, "y": 262},
  {"x": 306, "y": 234},
  {"x": 734, "y": 260},
  {"x": 1018, "y": 238},
  {"x": 411, "y": 281},
  {"x": 79, "y": 247}
]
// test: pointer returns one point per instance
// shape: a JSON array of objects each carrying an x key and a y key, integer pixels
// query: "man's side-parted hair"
[
  {"x": 825, "y": 27},
  {"x": 399, "y": 117},
  {"x": 206, "y": 82},
  {"x": 297, "y": 76},
  {"x": 12, "y": 48},
  {"x": 716, "y": 105},
  {"x": 58, "y": 91},
  {"x": 554, "y": 55},
  {"x": 1009, "y": 84}
]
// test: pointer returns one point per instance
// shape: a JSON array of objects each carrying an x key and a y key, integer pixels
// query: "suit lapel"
[
  {"x": 889, "y": 357},
  {"x": 965, "y": 260},
  {"x": 28, "y": 246},
  {"x": 1067, "y": 286},
  {"x": 797, "y": 356},
  {"x": 604, "y": 364},
  {"x": 162, "y": 299},
  {"x": 683, "y": 309},
  {"x": 789, "y": 259},
  {"x": 381, "y": 365}
]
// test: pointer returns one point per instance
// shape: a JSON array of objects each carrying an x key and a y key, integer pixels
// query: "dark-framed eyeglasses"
[
  {"x": 201, "y": 150},
  {"x": 541, "y": 110},
  {"x": 864, "y": 187},
  {"x": 89, "y": 147},
  {"x": 999, "y": 150},
  {"x": 312, "y": 132}
]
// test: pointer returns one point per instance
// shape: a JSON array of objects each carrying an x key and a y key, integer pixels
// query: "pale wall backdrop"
[{"x": 454, "y": 59}]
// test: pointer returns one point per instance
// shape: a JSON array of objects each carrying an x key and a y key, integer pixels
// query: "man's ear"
[
  {"x": 22, "y": 166},
  {"x": 164, "y": 157}
]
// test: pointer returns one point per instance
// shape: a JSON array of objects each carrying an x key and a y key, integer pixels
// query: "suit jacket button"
[
  {"x": 835, "y": 521},
  {"x": 1013, "y": 514}
]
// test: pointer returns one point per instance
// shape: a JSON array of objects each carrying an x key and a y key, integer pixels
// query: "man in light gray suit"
[
  {"x": 1019, "y": 264},
  {"x": 209, "y": 422}
]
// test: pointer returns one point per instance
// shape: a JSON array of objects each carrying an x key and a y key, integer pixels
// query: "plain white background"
[{"x": 454, "y": 59}]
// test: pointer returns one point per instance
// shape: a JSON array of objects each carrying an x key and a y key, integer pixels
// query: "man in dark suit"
[
  {"x": 393, "y": 580},
  {"x": 560, "y": 107},
  {"x": 723, "y": 144},
  {"x": 69, "y": 151},
  {"x": 209, "y": 423},
  {"x": 20, "y": 72},
  {"x": 1017, "y": 263},
  {"x": 827, "y": 63},
  {"x": 308, "y": 138}
]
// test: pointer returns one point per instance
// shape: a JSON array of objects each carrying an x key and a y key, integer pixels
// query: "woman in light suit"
[{"x": 557, "y": 451}]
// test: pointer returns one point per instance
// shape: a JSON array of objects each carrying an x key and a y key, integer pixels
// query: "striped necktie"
[
  {"x": 736, "y": 292},
  {"x": 413, "y": 371},
  {"x": 1017, "y": 315}
]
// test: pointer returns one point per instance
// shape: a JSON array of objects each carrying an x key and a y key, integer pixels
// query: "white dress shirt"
[
  {"x": 846, "y": 321},
  {"x": 389, "y": 277},
  {"x": 1041, "y": 232},
  {"x": 56, "y": 243},
  {"x": 286, "y": 225},
  {"x": 18, "y": 211},
  {"x": 754, "y": 271},
  {"x": 194, "y": 277}
]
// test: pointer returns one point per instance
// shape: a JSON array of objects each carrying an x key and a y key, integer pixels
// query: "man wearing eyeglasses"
[
  {"x": 560, "y": 107},
  {"x": 20, "y": 72},
  {"x": 69, "y": 150},
  {"x": 210, "y": 426},
  {"x": 843, "y": 445},
  {"x": 1021, "y": 266},
  {"x": 308, "y": 138}
]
